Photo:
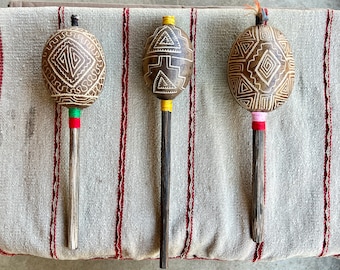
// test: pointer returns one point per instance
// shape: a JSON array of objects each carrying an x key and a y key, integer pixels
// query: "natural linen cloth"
[{"x": 211, "y": 143}]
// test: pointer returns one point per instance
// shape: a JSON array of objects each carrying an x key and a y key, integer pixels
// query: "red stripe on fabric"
[
  {"x": 195, "y": 258},
  {"x": 1, "y": 64},
  {"x": 4, "y": 253},
  {"x": 56, "y": 180},
  {"x": 123, "y": 135},
  {"x": 61, "y": 17},
  {"x": 56, "y": 163},
  {"x": 258, "y": 252},
  {"x": 328, "y": 134},
  {"x": 191, "y": 142}
]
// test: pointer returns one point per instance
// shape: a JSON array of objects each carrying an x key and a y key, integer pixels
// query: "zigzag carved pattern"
[{"x": 261, "y": 69}]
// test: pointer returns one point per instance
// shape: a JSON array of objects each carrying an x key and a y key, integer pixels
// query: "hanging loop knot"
[{"x": 260, "y": 13}]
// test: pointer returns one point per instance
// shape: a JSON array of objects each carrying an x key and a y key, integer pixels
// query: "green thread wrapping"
[{"x": 74, "y": 112}]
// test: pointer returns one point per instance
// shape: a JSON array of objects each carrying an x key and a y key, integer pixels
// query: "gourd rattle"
[
  {"x": 73, "y": 68},
  {"x": 167, "y": 67},
  {"x": 261, "y": 73}
]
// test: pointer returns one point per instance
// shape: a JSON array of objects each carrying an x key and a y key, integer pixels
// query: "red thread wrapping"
[
  {"x": 328, "y": 135},
  {"x": 123, "y": 136},
  {"x": 74, "y": 122},
  {"x": 191, "y": 143},
  {"x": 258, "y": 125}
]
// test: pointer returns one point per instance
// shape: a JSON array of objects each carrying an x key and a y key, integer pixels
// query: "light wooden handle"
[
  {"x": 73, "y": 204},
  {"x": 258, "y": 185}
]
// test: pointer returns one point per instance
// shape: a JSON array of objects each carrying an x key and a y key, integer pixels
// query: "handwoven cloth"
[{"x": 211, "y": 143}]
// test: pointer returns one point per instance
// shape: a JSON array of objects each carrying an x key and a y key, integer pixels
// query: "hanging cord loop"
[{"x": 260, "y": 13}]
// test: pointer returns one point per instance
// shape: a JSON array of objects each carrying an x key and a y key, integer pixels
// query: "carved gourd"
[
  {"x": 168, "y": 61},
  {"x": 167, "y": 66},
  {"x": 73, "y": 68},
  {"x": 261, "y": 72},
  {"x": 261, "y": 69}
]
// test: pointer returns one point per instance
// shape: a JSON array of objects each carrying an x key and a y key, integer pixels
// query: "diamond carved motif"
[
  {"x": 70, "y": 61},
  {"x": 267, "y": 67},
  {"x": 261, "y": 69}
]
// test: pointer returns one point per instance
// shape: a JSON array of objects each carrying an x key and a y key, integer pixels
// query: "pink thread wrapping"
[
  {"x": 328, "y": 134},
  {"x": 123, "y": 136},
  {"x": 259, "y": 120},
  {"x": 56, "y": 163},
  {"x": 191, "y": 143}
]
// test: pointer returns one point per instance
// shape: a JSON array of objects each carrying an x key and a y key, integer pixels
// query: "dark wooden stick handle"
[
  {"x": 258, "y": 185},
  {"x": 165, "y": 187}
]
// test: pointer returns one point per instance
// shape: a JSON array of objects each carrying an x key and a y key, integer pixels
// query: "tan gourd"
[{"x": 73, "y": 68}]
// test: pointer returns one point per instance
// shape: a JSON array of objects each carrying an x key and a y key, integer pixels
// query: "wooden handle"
[
  {"x": 73, "y": 205},
  {"x": 165, "y": 187},
  {"x": 258, "y": 185}
]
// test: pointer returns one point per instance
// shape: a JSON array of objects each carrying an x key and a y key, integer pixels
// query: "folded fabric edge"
[
  {"x": 115, "y": 5},
  {"x": 81, "y": 4}
]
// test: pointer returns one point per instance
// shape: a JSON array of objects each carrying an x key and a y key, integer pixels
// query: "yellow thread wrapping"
[
  {"x": 166, "y": 105},
  {"x": 169, "y": 20}
]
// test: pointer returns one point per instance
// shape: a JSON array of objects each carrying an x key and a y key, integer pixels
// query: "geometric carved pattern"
[
  {"x": 165, "y": 41},
  {"x": 73, "y": 67},
  {"x": 167, "y": 61},
  {"x": 70, "y": 61},
  {"x": 261, "y": 69}
]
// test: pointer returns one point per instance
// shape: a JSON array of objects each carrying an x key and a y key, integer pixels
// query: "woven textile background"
[{"x": 211, "y": 143}]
